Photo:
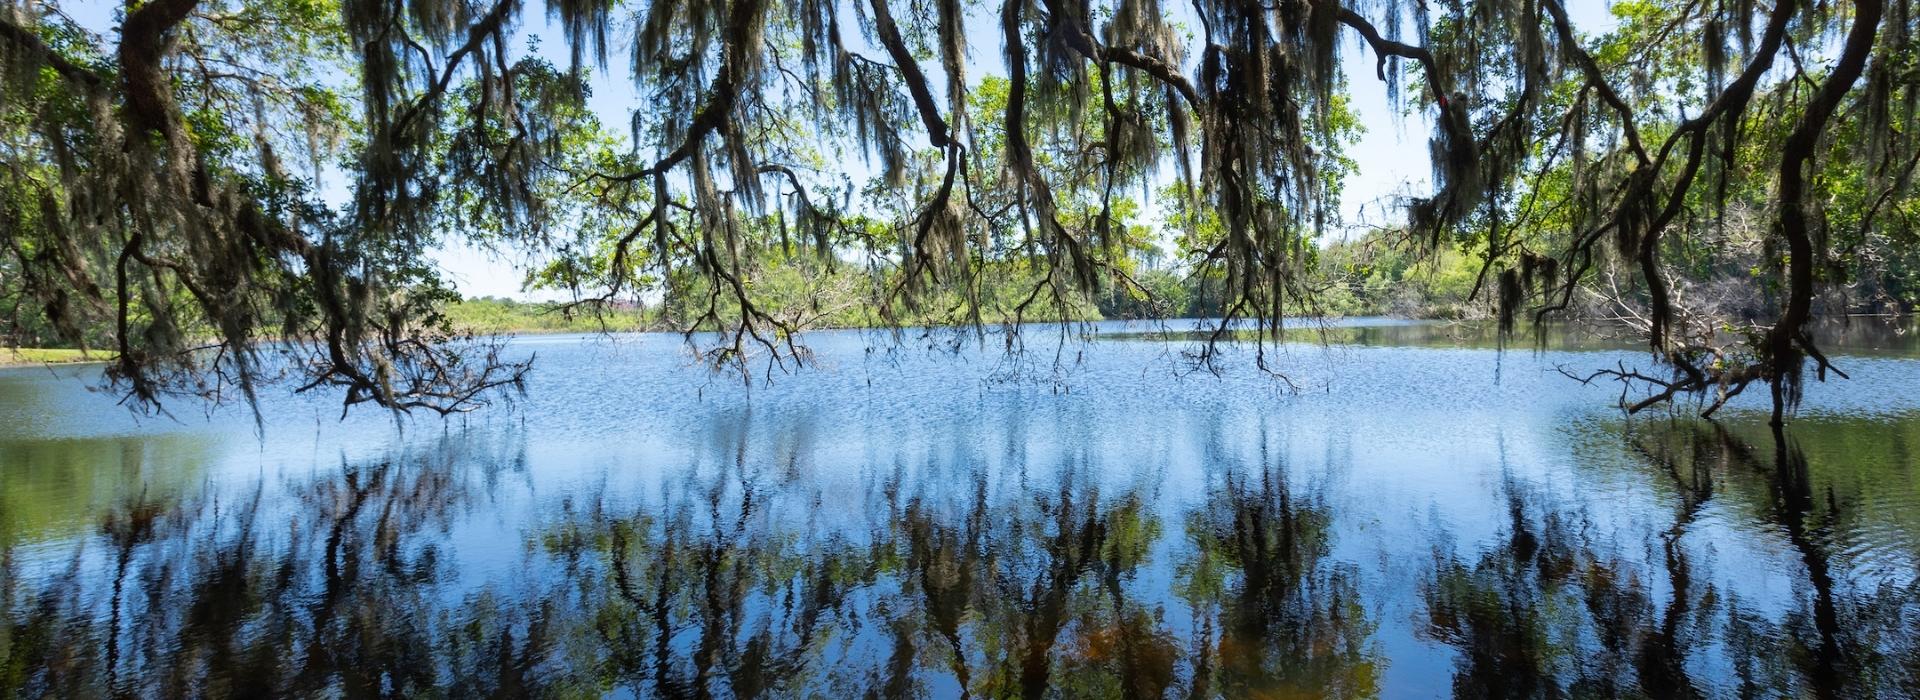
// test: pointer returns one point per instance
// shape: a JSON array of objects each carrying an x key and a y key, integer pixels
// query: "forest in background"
[
  {"x": 1375, "y": 275},
  {"x": 1372, "y": 276}
]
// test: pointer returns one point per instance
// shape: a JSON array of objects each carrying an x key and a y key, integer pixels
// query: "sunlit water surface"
[{"x": 1408, "y": 512}]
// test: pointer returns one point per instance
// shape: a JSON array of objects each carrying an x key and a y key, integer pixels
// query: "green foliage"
[
  {"x": 1375, "y": 275},
  {"x": 1694, "y": 169},
  {"x": 494, "y": 315}
]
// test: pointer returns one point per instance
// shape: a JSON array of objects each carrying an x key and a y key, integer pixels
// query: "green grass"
[{"x": 41, "y": 356}]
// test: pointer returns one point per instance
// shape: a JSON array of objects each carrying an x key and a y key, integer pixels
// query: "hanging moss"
[{"x": 148, "y": 189}]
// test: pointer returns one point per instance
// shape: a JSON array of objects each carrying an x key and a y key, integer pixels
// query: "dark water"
[{"x": 1420, "y": 516}]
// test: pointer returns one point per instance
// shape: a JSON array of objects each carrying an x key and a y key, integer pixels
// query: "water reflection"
[
  {"x": 1558, "y": 609},
  {"x": 1036, "y": 584},
  {"x": 963, "y": 591},
  {"x": 207, "y": 596},
  {"x": 768, "y": 555},
  {"x": 1290, "y": 624},
  {"x": 50, "y": 488}
]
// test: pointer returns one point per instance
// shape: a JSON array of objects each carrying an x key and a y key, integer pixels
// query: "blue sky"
[{"x": 1391, "y": 154}]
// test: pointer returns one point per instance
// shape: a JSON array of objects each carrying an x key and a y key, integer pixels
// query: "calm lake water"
[{"x": 1416, "y": 515}]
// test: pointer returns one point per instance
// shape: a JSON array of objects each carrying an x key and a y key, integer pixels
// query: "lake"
[{"x": 1403, "y": 511}]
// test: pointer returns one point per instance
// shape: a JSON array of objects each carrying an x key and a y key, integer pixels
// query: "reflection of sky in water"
[{"x": 1409, "y": 452}]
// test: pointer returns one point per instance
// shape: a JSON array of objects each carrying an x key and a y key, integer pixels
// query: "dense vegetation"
[
  {"x": 1714, "y": 172},
  {"x": 1362, "y": 278}
]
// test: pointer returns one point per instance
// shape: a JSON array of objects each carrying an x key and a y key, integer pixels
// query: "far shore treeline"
[{"x": 1370, "y": 276}]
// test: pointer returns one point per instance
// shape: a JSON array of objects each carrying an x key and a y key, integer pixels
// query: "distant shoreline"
[{"x": 32, "y": 357}]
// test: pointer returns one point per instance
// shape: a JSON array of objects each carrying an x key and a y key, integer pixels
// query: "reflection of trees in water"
[
  {"x": 959, "y": 588},
  {"x": 703, "y": 594},
  {"x": 1516, "y": 614},
  {"x": 1003, "y": 598},
  {"x": 50, "y": 487},
  {"x": 1554, "y": 610},
  {"x": 735, "y": 580},
  {"x": 718, "y": 585},
  {"x": 1276, "y": 620},
  {"x": 225, "y": 597}
]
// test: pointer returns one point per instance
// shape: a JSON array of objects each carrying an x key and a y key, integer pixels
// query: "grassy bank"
[{"x": 16, "y": 357}]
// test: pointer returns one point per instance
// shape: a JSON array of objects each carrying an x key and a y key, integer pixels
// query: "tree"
[
  {"x": 145, "y": 192},
  {"x": 144, "y": 171}
]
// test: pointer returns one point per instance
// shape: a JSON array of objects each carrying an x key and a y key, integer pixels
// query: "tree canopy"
[{"x": 160, "y": 192}]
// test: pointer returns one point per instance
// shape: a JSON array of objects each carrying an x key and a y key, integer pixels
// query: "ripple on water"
[{"x": 1374, "y": 521}]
